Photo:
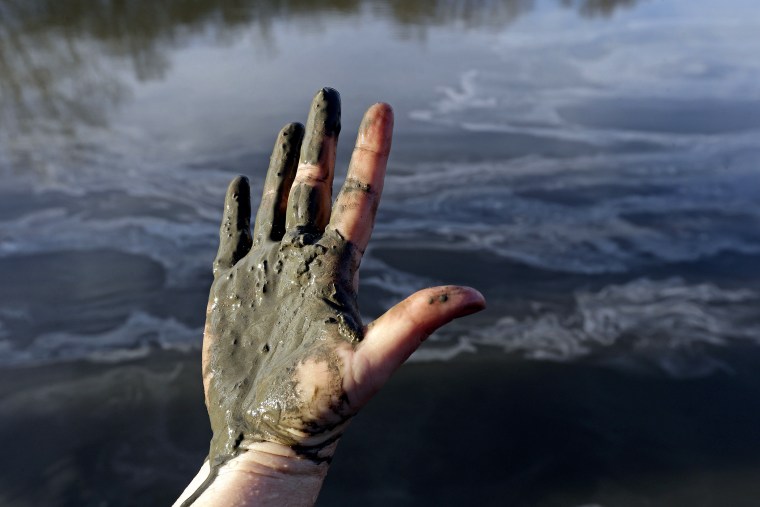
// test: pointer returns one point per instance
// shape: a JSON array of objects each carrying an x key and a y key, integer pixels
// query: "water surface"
[{"x": 591, "y": 166}]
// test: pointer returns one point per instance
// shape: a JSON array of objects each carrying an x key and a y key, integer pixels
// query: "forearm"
[{"x": 265, "y": 475}]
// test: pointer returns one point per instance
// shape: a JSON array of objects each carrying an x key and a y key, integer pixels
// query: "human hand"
[{"x": 286, "y": 360}]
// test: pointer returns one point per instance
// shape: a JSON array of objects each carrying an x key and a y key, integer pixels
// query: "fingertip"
[
  {"x": 292, "y": 129},
  {"x": 234, "y": 231},
  {"x": 474, "y": 301},
  {"x": 381, "y": 109},
  {"x": 376, "y": 129},
  {"x": 286, "y": 149},
  {"x": 238, "y": 185},
  {"x": 328, "y": 98},
  {"x": 454, "y": 294},
  {"x": 434, "y": 307},
  {"x": 379, "y": 113},
  {"x": 325, "y": 112},
  {"x": 475, "y": 295},
  {"x": 327, "y": 92},
  {"x": 238, "y": 180}
]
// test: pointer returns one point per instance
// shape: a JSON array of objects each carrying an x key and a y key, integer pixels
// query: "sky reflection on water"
[{"x": 59, "y": 63}]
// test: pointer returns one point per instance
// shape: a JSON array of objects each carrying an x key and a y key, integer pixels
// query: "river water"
[{"x": 592, "y": 166}]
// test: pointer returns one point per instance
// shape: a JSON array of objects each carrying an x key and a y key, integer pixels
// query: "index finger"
[{"x": 355, "y": 208}]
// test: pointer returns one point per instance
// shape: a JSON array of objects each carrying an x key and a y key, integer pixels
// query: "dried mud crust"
[{"x": 278, "y": 320}]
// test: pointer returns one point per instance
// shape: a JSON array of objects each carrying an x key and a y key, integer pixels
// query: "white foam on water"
[
  {"x": 399, "y": 284},
  {"x": 180, "y": 247},
  {"x": 669, "y": 324},
  {"x": 633, "y": 210},
  {"x": 438, "y": 353},
  {"x": 137, "y": 337},
  {"x": 530, "y": 79}
]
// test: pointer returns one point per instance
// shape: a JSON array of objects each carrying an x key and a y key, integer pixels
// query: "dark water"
[{"x": 591, "y": 166}]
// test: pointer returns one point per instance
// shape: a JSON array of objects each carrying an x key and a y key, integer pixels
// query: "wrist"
[
  {"x": 279, "y": 460},
  {"x": 265, "y": 474}
]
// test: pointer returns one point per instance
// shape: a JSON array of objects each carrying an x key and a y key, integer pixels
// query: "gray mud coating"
[
  {"x": 284, "y": 304},
  {"x": 235, "y": 232},
  {"x": 270, "y": 219},
  {"x": 355, "y": 185},
  {"x": 308, "y": 209},
  {"x": 442, "y": 298},
  {"x": 323, "y": 123},
  {"x": 309, "y": 206}
]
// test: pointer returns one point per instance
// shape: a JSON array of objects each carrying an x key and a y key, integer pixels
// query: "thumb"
[{"x": 392, "y": 338}]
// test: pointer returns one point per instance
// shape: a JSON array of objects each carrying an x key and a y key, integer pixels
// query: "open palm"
[{"x": 286, "y": 358}]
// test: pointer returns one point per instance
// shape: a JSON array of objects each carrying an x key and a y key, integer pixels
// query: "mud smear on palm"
[{"x": 283, "y": 309}]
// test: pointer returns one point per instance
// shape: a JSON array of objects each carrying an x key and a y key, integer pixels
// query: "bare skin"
[{"x": 286, "y": 360}]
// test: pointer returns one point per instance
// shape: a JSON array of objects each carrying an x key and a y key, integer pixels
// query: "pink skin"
[{"x": 270, "y": 473}]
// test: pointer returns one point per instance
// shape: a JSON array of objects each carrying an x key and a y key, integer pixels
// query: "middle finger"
[{"x": 309, "y": 203}]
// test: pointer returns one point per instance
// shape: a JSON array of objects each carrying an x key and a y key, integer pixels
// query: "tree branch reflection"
[{"x": 60, "y": 61}]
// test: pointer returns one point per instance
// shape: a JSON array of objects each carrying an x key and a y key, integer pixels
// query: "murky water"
[{"x": 590, "y": 165}]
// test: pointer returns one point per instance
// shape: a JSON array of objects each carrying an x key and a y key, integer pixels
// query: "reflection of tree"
[
  {"x": 482, "y": 13},
  {"x": 45, "y": 77},
  {"x": 469, "y": 13},
  {"x": 57, "y": 58},
  {"x": 592, "y": 8}
]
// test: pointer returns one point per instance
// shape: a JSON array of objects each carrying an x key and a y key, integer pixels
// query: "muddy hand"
[{"x": 285, "y": 357}]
